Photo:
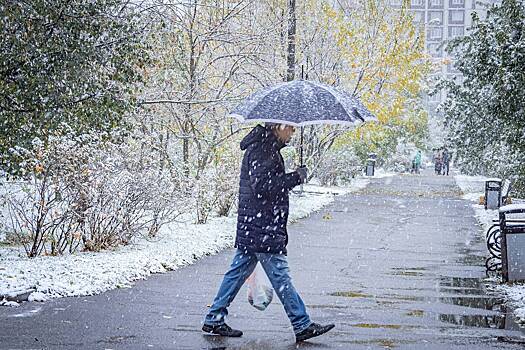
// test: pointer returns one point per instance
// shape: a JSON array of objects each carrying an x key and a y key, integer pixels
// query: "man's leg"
[
  {"x": 276, "y": 267},
  {"x": 242, "y": 266}
]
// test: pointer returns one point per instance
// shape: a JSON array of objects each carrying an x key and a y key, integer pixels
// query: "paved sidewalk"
[{"x": 397, "y": 265}]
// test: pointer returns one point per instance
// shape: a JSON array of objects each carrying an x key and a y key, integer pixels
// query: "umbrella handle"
[{"x": 301, "y": 150}]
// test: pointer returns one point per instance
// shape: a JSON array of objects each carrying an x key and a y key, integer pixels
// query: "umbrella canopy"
[{"x": 300, "y": 103}]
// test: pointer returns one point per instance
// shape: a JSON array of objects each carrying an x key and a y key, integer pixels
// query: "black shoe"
[
  {"x": 313, "y": 330},
  {"x": 223, "y": 330}
]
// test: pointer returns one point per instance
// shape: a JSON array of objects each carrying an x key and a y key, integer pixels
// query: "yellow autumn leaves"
[{"x": 382, "y": 50}]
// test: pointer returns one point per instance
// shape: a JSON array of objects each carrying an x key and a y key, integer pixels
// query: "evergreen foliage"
[
  {"x": 64, "y": 65},
  {"x": 485, "y": 110}
]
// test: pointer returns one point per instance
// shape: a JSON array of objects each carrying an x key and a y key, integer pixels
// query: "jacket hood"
[{"x": 260, "y": 134}]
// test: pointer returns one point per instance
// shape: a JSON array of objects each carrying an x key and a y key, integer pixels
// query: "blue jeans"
[{"x": 278, "y": 272}]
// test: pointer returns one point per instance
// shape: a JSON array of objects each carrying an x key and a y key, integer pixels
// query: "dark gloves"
[{"x": 303, "y": 173}]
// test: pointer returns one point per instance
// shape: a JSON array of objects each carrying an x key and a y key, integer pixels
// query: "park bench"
[
  {"x": 493, "y": 236},
  {"x": 493, "y": 262},
  {"x": 497, "y": 246},
  {"x": 505, "y": 191}
]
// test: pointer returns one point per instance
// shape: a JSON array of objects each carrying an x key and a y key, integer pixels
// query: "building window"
[
  {"x": 457, "y": 3},
  {"x": 454, "y": 32},
  {"x": 435, "y": 33},
  {"x": 435, "y": 18},
  {"x": 456, "y": 16},
  {"x": 435, "y": 49},
  {"x": 419, "y": 16},
  {"x": 435, "y": 4},
  {"x": 417, "y": 3}
]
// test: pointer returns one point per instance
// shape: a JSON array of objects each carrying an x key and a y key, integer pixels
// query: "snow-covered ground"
[
  {"x": 473, "y": 188},
  {"x": 176, "y": 245},
  {"x": 381, "y": 173}
]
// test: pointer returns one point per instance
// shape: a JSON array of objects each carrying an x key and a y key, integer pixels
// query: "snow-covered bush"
[
  {"x": 42, "y": 208},
  {"x": 337, "y": 167},
  {"x": 401, "y": 159},
  {"x": 89, "y": 193},
  {"x": 216, "y": 190},
  {"x": 228, "y": 170},
  {"x": 204, "y": 195},
  {"x": 127, "y": 196}
]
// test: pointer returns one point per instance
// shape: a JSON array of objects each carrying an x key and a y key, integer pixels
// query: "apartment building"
[{"x": 442, "y": 21}]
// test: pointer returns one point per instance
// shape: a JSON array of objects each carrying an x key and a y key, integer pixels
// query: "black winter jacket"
[{"x": 263, "y": 194}]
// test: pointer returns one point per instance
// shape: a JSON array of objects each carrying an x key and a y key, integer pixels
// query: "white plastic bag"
[{"x": 260, "y": 292}]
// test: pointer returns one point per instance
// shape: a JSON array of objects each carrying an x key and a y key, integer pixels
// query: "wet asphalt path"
[{"x": 397, "y": 265}]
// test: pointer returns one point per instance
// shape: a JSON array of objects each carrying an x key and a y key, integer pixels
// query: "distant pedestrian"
[
  {"x": 417, "y": 162},
  {"x": 438, "y": 162},
  {"x": 261, "y": 232},
  {"x": 446, "y": 161}
]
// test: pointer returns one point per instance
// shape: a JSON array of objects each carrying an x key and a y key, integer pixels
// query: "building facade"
[{"x": 442, "y": 21}]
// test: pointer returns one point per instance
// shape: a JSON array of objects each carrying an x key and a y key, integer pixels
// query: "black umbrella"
[{"x": 300, "y": 103}]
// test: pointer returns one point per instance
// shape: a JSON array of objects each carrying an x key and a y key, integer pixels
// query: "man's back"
[{"x": 263, "y": 194}]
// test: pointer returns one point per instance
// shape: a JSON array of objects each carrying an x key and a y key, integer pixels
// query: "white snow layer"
[
  {"x": 382, "y": 173},
  {"x": 177, "y": 244},
  {"x": 473, "y": 187}
]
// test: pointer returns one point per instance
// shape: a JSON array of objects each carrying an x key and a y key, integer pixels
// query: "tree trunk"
[{"x": 290, "y": 72}]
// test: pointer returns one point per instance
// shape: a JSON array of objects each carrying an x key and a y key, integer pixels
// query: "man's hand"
[{"x": 303, "y": 173}]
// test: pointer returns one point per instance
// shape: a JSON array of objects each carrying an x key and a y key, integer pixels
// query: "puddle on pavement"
[
  {"x": 327, "y": 306},
  {"x": 407, "y": 273},
  {"x": 384, "y": 343},
  {"x": 117, "y": 339},
  {"x": 474, "y": 296},
  {"x": 350, "y": 294},
  {"x": 405, "y": 297},
  {"x": 469, "y": 255},
  {"x": 387, "y": 326},
  {"x": 471, "y": 260},
  {"x": 468, "y": 282},
  {"x": 387, "y": 302},
  {"x": 475, "y": 302},
  {"x": 460, "y": 291},
  {"x": 219, "y": 343},
  {"x": 483, "y": 321}
]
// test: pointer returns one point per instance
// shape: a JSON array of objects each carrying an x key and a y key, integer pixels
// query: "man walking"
[{"x": 261, "y": 232}]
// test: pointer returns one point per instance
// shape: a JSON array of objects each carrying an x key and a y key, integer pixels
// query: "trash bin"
[
  {"x": 371, "y": 164},
  {"x": 492, "y": 193},
  {"x": 512, "y": 225},
  {"x": 370, "y": 167}
]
